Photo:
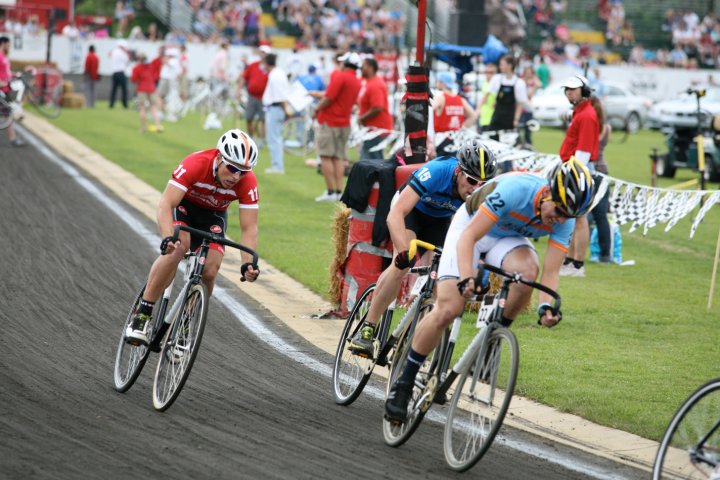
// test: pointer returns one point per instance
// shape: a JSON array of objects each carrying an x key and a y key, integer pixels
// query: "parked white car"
[
  {"x": 682, "y": 111},
  {"x": 551, "y": 108}
]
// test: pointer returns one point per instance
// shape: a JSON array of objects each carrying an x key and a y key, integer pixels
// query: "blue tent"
[{"x": 458, "y": 56}]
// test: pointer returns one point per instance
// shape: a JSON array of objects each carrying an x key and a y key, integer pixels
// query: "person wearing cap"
[
  {"x": 275, "y": 103},
  {"x": 582, "y": 141},
  {"x": 119, "y": 63},
  {"x": 254, "y": 78},
  {"x": 198, "y": 195},
  {"x": 374, "y": 110},
  {"x": 333, "y": 129},
  {"x": 510, "y": 97},
  {"x": 451, "y": 112},
  {"x": 315, "y": 87}
]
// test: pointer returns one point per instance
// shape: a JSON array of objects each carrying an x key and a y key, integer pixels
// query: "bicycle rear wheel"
[
  {"x": 180, "y": 347},
  {"x": 397, "y": 434},
  {"x": 690, "y": 447},
  {"x": 351, "y": 372},
  {"x": 481, "y": 399},
  {"x": 130, "y": 359}
]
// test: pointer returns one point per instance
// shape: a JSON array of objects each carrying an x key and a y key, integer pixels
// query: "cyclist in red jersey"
[{"x": 198, "y": 194}]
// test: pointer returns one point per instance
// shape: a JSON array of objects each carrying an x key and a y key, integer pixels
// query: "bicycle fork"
[{"x": 165, "y": 315}]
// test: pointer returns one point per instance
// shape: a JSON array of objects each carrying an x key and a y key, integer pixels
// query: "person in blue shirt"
[
  {"x": 315, "y": 86},
  {"x": 495, "y": 225},
  {"x": 423, "y": 209},
  {"x": 312, "y": 81}
]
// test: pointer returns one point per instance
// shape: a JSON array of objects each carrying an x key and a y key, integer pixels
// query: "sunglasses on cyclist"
[
  {"x": 472, "y": 180},
  {"x": 234, "y": 170}
]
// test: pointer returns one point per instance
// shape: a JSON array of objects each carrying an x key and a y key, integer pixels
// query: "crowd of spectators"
[
  {"x": 343, "y": 24},
  {"x": 236, "y": 21}
]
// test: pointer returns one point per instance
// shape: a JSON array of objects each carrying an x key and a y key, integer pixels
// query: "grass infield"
[{"x": 634, "y": 342}]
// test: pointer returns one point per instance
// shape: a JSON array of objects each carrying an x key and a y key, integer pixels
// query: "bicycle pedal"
[{"x": 394, "y": 421}]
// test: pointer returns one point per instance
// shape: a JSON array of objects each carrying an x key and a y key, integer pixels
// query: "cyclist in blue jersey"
[
  {"x": 422, "y": 209},
  {"x": 494, "y": 227}
]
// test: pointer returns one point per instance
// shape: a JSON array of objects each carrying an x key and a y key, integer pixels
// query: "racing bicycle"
[
  {"x": 690, "y": 447},
  {"x": 479, "y": 386},
  {"x": 352, "y": 371},
  {"x": 175, "y": 333}
]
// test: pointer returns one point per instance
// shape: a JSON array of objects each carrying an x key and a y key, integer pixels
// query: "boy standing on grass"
[{"x": 143, "y": 75}]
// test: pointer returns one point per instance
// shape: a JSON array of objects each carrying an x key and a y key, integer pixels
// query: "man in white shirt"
[
  {"x": 119, "y": 61},
  {"x": 275, "y": 101},
  {"x": 169, "y": 74}
]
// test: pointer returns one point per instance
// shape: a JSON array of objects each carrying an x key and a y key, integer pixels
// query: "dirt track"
[{"x": 71, "y": 268}]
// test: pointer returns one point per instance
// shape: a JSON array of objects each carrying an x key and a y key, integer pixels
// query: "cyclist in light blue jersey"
[
  {"x": 494, "y": 227},
  {"x": 422, "y": 209}
]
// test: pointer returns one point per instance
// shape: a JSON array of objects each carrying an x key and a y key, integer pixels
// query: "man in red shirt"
[
  {"x": 374, "y": 110},
  {"x": 451, "y": 112},
  {"x": 333, "y": 130},
  {"x": 91, "y": 76},
  {"x": 582, "y": 141},
  {"x": 144, "y": 77},
  {"x": 255, "y": 78},
  {"x": 198, "y": 195}
]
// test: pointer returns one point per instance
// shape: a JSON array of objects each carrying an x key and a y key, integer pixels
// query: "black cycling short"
[
  {"x": 191, "y": 215},
  {"x": 428, "y": 229}
]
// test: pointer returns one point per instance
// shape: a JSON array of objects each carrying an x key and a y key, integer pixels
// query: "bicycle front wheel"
[
  {"x": 130, "y": 359},
  {"x": 6, "y": 114},
  {"x": 690, "y": 447},
  {"x": 481, "y": 399},
  {"x": 397, "y": 434},
  {"x": 180, "y": 347},
  {"x": 351, "y": 371},
  {"x": 45, "y": 92}
]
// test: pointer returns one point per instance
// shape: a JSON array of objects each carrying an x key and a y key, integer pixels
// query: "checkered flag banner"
[{"x": 639, "y": 205}]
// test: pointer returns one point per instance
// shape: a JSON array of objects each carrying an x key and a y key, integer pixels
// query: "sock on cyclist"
[
  {"x": 567, "y": 261},
  {"x": 414, "y": 362},
  {"x": 578, "y": 263},
  {"x": 505, "y": 322},
  {"x": 145, "y": 307}
]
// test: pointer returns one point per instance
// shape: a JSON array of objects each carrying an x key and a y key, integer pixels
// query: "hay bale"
[
  {"x": 341, "y": 227},
  {"x": 73, "y": 100},
  {"x": 68, "y": 87},
  {"x": 495, "y": 284}
]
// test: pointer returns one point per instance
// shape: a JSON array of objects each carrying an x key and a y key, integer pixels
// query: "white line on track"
[{"x": 258, "y": 328}]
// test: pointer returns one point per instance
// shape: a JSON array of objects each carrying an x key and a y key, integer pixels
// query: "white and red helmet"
[{"x": 238, "y": 149}]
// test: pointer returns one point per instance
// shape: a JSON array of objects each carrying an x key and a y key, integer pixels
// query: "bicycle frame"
[{"x": 489, "y": 318}]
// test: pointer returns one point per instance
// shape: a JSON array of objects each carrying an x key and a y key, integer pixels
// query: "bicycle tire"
[
  {"x": 185, "y": 334},
  {"x": 351, "y": 372},
  {"x": 397, "y": 434},
  {"x": 130, "y": 359},
  {"x": 481, "y": 403},
  {"x": 46, "y": 100},
  {"x": 6, "y": 114},
  {"x": 678, "y": 450}
]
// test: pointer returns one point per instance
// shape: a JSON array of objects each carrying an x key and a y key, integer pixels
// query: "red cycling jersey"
[{"x": 196, "y": 176}]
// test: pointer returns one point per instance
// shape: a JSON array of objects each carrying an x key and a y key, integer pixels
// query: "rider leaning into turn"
[
  {"x": 494, "y": 227},
  {"x": 423, "y": 210},
  {"x": 198, "y": 194}
]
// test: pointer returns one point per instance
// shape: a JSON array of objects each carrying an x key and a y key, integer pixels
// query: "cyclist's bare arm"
[
  {"x": 248, "y": 237},
  {"x": 478, "y": 227},
  {"x": 170, "y": 199},
  {"x": 396, "y": 218},
  {"x": 550, "y": 277}
]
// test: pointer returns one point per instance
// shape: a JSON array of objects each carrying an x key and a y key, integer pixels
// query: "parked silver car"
[
  {"x": 622, "y": 106},
  {"x": 682, "y": 111}
]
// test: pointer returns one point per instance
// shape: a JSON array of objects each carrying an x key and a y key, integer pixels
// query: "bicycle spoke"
[
  {"x": 690, "y": 448},
  {"x": 480, "y": 401}
]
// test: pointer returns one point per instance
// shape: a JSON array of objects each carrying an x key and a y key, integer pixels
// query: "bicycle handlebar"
[
  {"x": 216, "y": 238},
  {"x": 555, "y": 308},
  {"x": 415, "y": 243}
]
